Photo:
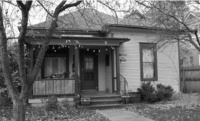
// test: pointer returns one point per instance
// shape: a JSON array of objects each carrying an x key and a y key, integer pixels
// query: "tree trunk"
[{"x": 18, "y": 110}]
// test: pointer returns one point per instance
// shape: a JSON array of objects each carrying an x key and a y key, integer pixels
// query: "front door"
[{"x": 89, "y": 69}]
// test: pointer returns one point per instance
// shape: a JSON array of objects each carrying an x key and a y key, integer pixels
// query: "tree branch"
[
  {"x": 21, "y": 61},
  {"x": 192, "y": 42},
  {"x": 28, "y": 4},
  {"x": 57, "y": 10},
  {"x": 5, "y": 60},
  {"x": 9, "y": 2},
  {"x": 45, "y": 8},
  {"x": 20, "y": 4},
  {"x": 69, "y": 5},
  {"x": 109, "y": 8},
  {"x": 197, "y": 38}
]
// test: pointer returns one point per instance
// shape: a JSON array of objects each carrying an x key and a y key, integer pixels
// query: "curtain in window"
[
  {"x": 89, "y": 63},
  {"x": 54, "y": 66},
  {"x": 148, "y": 63}
]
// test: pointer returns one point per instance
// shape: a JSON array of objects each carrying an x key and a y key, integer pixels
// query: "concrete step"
[
  {"x": 100, "y": 106},
  {"x": 106, "y": 100},
  {"x": 101, "y": 101}
]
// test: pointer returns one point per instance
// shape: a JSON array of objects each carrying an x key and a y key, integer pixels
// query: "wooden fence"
[
  {"x": 190, "y": 79},
  {"x": 53, "y": 87}
]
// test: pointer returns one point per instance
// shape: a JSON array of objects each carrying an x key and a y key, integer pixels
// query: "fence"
[{"x": 190, "y": 79}]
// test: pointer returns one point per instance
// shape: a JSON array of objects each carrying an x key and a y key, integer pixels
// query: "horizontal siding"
[{"x": 167, "y": 58}]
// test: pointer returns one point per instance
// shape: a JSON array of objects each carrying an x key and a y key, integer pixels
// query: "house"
[
  {"x": 94, "y": 52},
  {"x": 188, "y": 53}
]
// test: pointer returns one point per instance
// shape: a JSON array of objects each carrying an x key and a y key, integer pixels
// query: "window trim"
[{"x": 149, "y": 45}]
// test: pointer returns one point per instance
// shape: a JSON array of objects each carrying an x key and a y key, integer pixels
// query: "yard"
[
  {"x": 62, "y": 114},
  {"x": 182, "y": 107}
]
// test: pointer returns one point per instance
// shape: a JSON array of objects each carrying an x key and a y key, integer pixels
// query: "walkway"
[{"x": 122, "y": 115}]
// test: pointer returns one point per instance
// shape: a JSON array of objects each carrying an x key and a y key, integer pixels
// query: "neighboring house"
[
  {"x": 94, "y": 52},
  {"x": 189, "y": 55}
]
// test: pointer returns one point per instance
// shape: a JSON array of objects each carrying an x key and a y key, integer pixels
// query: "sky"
[{"x": 38, "y": 14}]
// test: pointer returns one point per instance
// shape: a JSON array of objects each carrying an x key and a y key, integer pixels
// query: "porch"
[
  {"x": 75, "y": 64},
  {"x": 71, "y": 70}
]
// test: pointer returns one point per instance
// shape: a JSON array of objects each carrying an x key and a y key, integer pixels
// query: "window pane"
[
  {"x": 148, "y": 70},
  {"x": 89, "y": 63},
  {"x": 47, "y": 67},
  {"x": 147, "y": 55},
  {"x": 62, "y": 65},
  {"x": 54, "y": 65}
]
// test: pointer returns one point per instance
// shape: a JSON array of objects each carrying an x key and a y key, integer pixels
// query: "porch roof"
[{"x": 76, "y": 40}]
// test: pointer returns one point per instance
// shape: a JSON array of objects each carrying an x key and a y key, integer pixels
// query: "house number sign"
[{"x": 122, "y": 58}]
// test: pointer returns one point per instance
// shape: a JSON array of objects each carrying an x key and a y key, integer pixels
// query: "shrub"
[
  {"x": 150, "y": 94},
  {"x": 51, "y": 103},
  {"x": 147, "y": 92},
  {"x": 5, "y": 99},
  {"x": 164, "y": 92}
]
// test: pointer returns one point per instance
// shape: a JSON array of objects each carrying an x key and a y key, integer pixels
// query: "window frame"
[{"x": 143, "y": 46}]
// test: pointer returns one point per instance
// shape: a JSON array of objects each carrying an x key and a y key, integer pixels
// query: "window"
[
  {"x": 55, "y": 67},
  {"x": 148, "y": 62}
]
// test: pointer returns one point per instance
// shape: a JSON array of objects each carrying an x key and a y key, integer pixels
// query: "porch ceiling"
[{"x": 76, "y": 40}]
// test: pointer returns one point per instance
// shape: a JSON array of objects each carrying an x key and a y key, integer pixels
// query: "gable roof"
[
  {"x": 82, "y": 19},
  {"x": 90, "y": 21}
]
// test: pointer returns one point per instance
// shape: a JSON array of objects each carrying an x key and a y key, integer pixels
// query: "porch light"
[
  {"x": 88, "y": 49},
  {"x": 93, "y": 50},
  {"x": 99, "y": 51},
  {"x": 106, "y": 49}
]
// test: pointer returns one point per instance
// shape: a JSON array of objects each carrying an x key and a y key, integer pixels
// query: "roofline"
[
  {"x": 109, "y": 26},
  {"x": 75, "y": 38},
  {"x": 67, "y": 31}
]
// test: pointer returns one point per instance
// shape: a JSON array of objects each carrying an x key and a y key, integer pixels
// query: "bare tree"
[
  {"x": 27, "y": 81},
  {"x": 172, "y": 15}
]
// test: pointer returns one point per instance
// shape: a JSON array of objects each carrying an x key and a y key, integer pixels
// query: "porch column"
[
  {"x": 76, "y": 69},
  {"x": 117, "y": 69}
]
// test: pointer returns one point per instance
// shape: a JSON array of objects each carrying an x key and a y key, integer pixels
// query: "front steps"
[{"x": 100, "y": 101}]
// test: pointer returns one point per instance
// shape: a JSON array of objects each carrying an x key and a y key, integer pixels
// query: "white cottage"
[{"x": 96, "y": 56}]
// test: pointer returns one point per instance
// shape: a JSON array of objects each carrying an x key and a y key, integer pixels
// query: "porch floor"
[{"x": 93, "y": 93}]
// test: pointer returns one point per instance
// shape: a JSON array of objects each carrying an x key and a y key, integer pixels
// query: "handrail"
[{"x": 125, "y": 84}]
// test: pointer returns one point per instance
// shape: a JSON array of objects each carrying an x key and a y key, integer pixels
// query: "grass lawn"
[
  {"x": 62, "y": 114},
  {"x": 182, "y": 107}
]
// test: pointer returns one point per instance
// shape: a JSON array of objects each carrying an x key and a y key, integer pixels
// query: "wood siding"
[
  {"x": 167, "y": 58},
  {"x": 53, "y": 87}
]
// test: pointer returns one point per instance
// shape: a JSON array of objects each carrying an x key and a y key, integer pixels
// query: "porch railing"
[
  {"x": 54, "y": 87},
  {"x": 123, "y": 85}
]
